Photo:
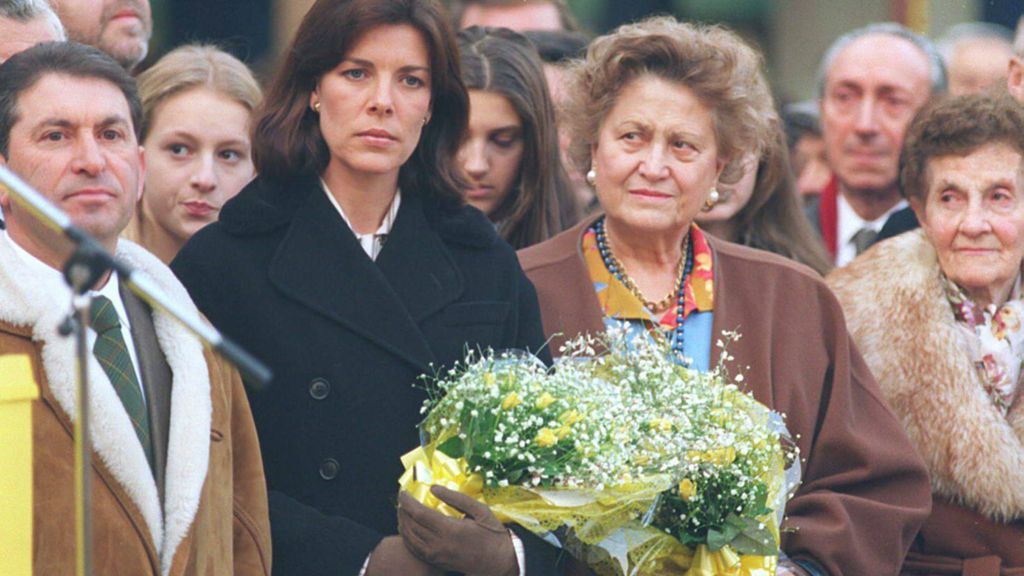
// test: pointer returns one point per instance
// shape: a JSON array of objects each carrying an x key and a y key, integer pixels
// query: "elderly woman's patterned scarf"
[{"x": 995, "y": 340}]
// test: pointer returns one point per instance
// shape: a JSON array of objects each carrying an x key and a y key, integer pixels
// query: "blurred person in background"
[
  {"x": 1015, "y": 77},
  {"x": 121, "y": 28},
  {"x": 198, "y": 103},
  {"x": 557, "y": 49},
  {"x": 25, "y": 23},
  {"x": 808, "y": 163},
  {"x": 515, "y": 14},
  {"x": 762, "y": 210},
  {"x": 663, "y": 113},
  {"x": 510, "y": 153},
  {"x": 976, "y": 55},
  {"x": 939, "y": 316},
  {"x": 871, "y": 82}
]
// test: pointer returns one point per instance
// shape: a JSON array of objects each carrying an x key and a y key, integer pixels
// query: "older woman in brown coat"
[
  {"x": 938, "y": 313},
  {"x": 663, "y": 111}
]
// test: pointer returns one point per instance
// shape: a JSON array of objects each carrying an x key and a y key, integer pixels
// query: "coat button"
[
  {"x": 329, "y": 469},
  {"x": 319, "y": 388}
]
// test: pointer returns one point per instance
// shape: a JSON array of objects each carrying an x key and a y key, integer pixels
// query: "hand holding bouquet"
[{"x": 637, "y": 463}]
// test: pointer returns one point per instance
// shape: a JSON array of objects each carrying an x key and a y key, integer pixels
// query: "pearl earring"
[
  {"x": 591, "y": 176},
  {"x": 713, "y": 198}
]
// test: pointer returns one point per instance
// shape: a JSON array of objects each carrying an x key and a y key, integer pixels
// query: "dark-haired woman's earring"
[
  {"x": 712, "y": 200},
  {"x": 591, "y": 176},
  {"x": 316, "y": 106}
]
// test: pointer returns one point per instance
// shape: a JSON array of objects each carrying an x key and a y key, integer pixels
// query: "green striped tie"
[{"x": 112, "y": 353}]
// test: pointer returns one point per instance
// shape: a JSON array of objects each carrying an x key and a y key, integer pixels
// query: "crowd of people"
[{"x": 420, "y": 178}]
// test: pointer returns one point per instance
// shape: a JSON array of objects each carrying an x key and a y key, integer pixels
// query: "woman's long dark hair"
[
  {"x": 541, "y": 203},
  {"x": 773, "y": 220},
  {"x": 286, "y": 134}
]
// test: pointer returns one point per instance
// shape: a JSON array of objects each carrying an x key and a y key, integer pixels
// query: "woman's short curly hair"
[
  {"x": 719, "y": 66},
  {"x": 957, "y": 126}
]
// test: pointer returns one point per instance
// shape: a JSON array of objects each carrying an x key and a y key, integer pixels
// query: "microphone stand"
[{"x": 88, "y": 263}]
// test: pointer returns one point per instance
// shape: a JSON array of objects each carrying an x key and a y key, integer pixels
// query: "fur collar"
[
  {"x": 24, "y": 302},
  {"x": 904, "y": 327}
]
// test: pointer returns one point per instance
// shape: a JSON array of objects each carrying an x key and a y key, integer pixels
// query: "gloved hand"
[
  {"x": 392, "y": 556},
  {"x": 478, "y": 544}
]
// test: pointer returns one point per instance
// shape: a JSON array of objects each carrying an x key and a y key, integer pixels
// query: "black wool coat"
[{"x": 346, "y": 337}]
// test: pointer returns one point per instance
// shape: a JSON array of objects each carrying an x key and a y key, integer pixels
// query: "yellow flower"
[
  {"x": 718, "y": 456},
  {"x": 563, "y": 431},
  {"x": 545, "y": 400},
  {"x": 687, "y": 489},
  {"x": 511, "y": 401},
  {"x": 660, "y": 424},
  {"x": 489, "y": 379},
  {"x": 571, "y": 417},
  {"x": 546, "y": 438}
]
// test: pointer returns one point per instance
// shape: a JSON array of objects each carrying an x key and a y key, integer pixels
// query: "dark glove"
[
  {"x": 392, "y": 556},
  {"x": 478, "y": 544}
]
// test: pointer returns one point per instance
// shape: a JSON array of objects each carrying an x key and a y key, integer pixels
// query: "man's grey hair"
[
  {"x": 29, "y": 10},
  {"x": 936, "y": 69},
  {"x": 967, "y": 31}
]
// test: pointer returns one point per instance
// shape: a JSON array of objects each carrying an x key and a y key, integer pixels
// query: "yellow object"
[
  {"x": 546, "y": 438},
  {"x": 17, "y": 391},
  {"x": 511, "y": 401},
  {"x": 687, "y": 489},
  {"x": 425, "y": 467},
  {"x": 545, "y": 400}
]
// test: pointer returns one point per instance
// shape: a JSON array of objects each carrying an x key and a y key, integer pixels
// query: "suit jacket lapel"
[
  {"x": 155, "y": 377},
  {"x": 321, "y": 265}
]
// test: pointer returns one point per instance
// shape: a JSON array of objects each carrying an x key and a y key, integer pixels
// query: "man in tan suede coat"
[{"x": 177, "y": 479}]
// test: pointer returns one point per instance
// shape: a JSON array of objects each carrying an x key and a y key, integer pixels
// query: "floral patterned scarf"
[{"x": 995, "y": 340}]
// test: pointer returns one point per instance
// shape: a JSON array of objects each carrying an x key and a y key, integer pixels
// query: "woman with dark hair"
[
  {"x": 351, "y": 266},
  {"x": 510, "y": 154},
  {"x": 762, "y": 210}
]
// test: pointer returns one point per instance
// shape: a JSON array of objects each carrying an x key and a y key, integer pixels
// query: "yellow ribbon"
[
  {"x": 425, "y": 468},
  {"x": 726, "y": 562}
]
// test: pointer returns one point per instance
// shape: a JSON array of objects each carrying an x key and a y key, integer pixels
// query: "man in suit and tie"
[
  {"x": 871, "y": 83},
  {"x": 177, "y": 479}
]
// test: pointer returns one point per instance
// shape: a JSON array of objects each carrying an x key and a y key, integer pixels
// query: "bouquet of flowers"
[{"x": 636, "y": 463}]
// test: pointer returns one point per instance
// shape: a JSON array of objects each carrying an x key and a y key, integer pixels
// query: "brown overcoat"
[
  {"x": 207, "y": 517},
  {"x": 864, "y": 492},
  {"x": 903, "y": 323}
]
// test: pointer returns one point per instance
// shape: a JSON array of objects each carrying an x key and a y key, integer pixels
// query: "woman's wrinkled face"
[
  {"x": 973, "y": 214},
  {"x": 491, "y": 154},
  {"x": 376, "y": 101},
  {"x": 198, "y": 156},
  {"x": 733, "y": 197},
  {"x": 656, "y": 156}
]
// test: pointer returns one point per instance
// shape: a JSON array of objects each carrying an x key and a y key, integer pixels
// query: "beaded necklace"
[{"x": 615, "y": 267}]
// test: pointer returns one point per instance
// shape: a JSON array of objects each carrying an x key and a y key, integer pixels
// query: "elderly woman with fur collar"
[{"x": 937, "y": 314}]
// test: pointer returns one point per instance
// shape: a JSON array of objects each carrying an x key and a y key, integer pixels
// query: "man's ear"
[
  {"x": 142, "y": 174},
  {"x": 1015, "y": 78},
  {"x": 5, "y": 199}
]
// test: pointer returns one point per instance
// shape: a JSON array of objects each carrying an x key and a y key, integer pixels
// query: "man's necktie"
[
  {"x": 864, "y": 238},
  {"x": 112, "y": 352}
]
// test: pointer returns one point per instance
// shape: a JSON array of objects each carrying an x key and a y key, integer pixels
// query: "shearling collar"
[
  {"x": 904, "y": 327},
  {"x": 24, "y": 305}
]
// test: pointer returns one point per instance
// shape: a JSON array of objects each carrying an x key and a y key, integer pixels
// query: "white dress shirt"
[
  {"x": 54, "y": 283},
  {"x": 850, "y": 223},
  {"x": 374, "y": 242}
]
